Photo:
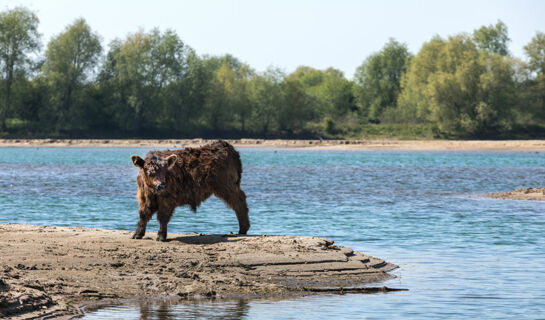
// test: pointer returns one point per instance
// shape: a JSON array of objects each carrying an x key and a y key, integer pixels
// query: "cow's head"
[{"x": 155, "y": 170}]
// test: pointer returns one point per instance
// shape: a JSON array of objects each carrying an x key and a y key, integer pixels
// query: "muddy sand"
[
  {"x": 312, "y": 144},
  {"x": 520, "y": 194},
  {"x": 54, "y": 271}
]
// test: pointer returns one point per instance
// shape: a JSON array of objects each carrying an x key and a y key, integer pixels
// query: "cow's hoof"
[
  {"x": 161, "y": 239},
  {"x": 137, "y": 236},
  {"x": 243, "y": 229}
]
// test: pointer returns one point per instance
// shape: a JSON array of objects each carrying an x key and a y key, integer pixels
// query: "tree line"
[{"x": 152, "y": 84}]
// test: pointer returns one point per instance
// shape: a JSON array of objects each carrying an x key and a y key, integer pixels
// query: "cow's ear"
[
  {"x": 137, "y": 161},
  {"x": 171, "y": 160}
]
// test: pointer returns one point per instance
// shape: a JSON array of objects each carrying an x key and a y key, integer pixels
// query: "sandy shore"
[
  {"x": 520, "y": 194},
  {"x": 312, "y": 144},
  {"x": 53, "y": 271}
]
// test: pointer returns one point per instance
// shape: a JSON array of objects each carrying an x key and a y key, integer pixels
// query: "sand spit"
[
  {"x": 52, "y": 271},
  {"x": 312, "y": 144},
  {"x": 520, "y": 194}
]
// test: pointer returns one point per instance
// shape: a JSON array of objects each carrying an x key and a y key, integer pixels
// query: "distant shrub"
[{"x": 329, "y": 125}]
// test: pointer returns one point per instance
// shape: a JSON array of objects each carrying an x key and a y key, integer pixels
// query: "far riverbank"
[{"x": 307, "y": 144}]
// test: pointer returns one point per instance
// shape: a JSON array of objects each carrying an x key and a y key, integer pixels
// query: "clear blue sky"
[{"x": 287, "y": 34}]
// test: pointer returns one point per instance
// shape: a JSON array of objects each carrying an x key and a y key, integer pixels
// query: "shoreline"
[
  {"x": 49, "y": 271},
  {"x": 277, "y": 143},
  {"x": 532, "y": 194}
]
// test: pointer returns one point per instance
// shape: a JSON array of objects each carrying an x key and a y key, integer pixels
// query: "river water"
[{"x": 460, "y": 255}]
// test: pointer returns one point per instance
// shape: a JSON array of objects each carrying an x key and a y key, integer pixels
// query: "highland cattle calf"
[{"x": 168, "y": 179}]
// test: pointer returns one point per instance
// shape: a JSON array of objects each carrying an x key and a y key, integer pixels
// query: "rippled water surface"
[{"x": 460, "y": 256}]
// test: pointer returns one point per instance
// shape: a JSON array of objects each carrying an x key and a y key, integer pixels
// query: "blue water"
[{"x": 460, "y": 256}]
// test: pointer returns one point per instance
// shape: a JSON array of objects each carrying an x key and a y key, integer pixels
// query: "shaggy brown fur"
[{"x": 168, "y": 179}]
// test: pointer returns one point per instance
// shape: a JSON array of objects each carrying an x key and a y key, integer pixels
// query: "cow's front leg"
[
  {"x": 163, "y": 216},
  {"x": 145, "y": 216}
]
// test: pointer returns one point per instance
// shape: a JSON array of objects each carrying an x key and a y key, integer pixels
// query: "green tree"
[
  {"x": 307, "y": 76},
  {"x": 493, "y": 38},
  {"x": 535, "y": 86},
  {"x": 498, "y": 96},
  {"x": 169, "y": 67},
  {"x": 535, "y": 50},
  {"x": 333, "y": 93},
  {"x": 71, "y": 57},
  {"x": 265, "y": 94},
  {"x": 139, "y": 69},
  {"x": 463, "y": 90},
  {"x": 18, "y": 38},
  {"x": 413, "y": 103},
  {"x": 338, "y": 93},
  {"x": 132, "y": 80},
  {"x": 378, "y": 79},
  {"x": 215, "y": 62},
  {"x": 241, "y": 99},
  {"x": 220, "y": 98},
  {"x": 31, "y": 103},
  {"x": 296, "y": 107},
  {"x": 453, "y": 88},
  {"x": 184, "y": 99}
]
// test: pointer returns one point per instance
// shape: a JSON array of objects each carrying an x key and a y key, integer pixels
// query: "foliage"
[
  {"x": 492, "y": 38},
  {"x": 396, "y": 131},
  {"x": 536, "y": 52},
  {"x": 152, "y": 84},
  {"x": 535, "y": 87},
  {"x": 295, "y": 107},
  {"x": 19, "y": 38},
  {"x": 329, "y": 125},
  {"x": 413, "y": 103},
  {"x": 464, "y": 91},
  {"x": 264, "y": 91},
  {"x": 143, "y": 71},
  {"x": 332, "y": 92},
  {"x": 378, "y": 79},
  {"x": 71, "y": 58}
]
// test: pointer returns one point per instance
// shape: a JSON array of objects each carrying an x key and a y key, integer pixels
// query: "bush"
[{"x": 329, "y": 125}]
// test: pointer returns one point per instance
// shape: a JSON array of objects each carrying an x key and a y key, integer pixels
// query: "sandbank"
[
  {"x": 48, "y": 271},
  {"x": 520, "y": 194}
]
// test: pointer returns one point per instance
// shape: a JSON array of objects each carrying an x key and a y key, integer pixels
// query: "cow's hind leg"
[
  {"x": 145, "y": 215},
  {"x": 163, "y": 216},
  {"x": 236, "y": 199}
]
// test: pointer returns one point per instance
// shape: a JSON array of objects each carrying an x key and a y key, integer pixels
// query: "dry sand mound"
[
  {"x": 50, "y": 271},
  {"x": 520, "y": 194}
]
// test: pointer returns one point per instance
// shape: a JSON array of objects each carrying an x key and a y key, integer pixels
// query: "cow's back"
[{"x": 211, "y": 164}]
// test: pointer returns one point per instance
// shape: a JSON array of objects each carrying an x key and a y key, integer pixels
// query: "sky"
[{"x": 288, "y": 34}]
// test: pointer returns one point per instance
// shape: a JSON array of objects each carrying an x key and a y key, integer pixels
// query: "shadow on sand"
[{"x": 209, "y": 238}]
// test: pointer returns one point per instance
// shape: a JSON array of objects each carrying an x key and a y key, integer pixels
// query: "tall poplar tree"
[
  {"x": 18, "y": 38},
  {"x": 70, "y": 58}
]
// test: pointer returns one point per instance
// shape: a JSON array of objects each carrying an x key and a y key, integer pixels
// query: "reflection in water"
[{"x": 168, "y": 310}]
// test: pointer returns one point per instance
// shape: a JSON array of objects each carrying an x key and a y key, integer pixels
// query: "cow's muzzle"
[{"x": 160, "y": 187}]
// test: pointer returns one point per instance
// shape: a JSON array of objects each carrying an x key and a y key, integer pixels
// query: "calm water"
[{"x": 461, "y": 256}]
